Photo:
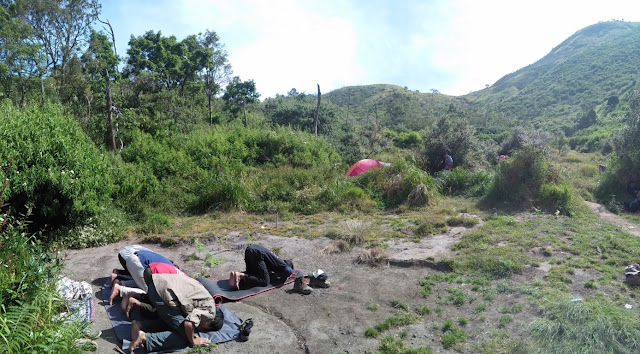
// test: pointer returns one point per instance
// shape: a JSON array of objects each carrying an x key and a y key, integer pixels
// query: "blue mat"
[{"x": 122, "y": 326}]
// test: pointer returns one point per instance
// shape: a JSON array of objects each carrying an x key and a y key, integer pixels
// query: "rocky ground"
[{"x": 328, "y": 320}]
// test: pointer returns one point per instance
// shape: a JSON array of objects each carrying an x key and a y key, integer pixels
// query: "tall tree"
[
  {"x": 217, "y": 70},
  {"x": 61, "y": 28},
  {"x": 18, "y": 55},
  {"x": 238, "y": 94},
  {"x": 158, "y": 55},
  {"x": 100, "y": 60}
]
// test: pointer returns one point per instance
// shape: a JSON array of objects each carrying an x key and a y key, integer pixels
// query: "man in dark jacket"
[{"x": 261, "y": 265}]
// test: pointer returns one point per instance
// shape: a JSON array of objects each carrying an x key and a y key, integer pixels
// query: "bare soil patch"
[{"x": 328, "y": 320}]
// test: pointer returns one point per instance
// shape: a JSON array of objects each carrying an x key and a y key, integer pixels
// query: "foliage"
[
  {"x": 529, "y": 179},
  {"x": 172, "y": 64},
  {"x": 54, "y": 169},
  {"x": 238, "y": 94},
  {"x": 463, "y": 182},
  {"x": 389, "y": 345},
  {"x": 29, "y": 318},
  {"x": 393, "y": 185},
  {"x": 452, "y": 335},
  {"x": 521, "y": 138},
  {"x": 448, "y": 136},
  {"x": 17, "y": 57},
  {"x": 605, "y": 327},
  {"x": 24, "y": 266}
]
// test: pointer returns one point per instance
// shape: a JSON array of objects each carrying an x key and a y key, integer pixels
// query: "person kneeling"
[
  {"x": 261, "y": 265},
  {"x": 183, "y": 304}
]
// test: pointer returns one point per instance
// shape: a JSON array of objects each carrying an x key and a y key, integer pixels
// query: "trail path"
[{"x": 614, "y": 219}]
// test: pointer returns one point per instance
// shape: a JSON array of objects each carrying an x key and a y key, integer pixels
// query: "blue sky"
[{"x": 454, "y": 46}]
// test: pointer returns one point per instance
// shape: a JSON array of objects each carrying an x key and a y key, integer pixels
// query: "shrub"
[
  {"x": 399, "y": 183},
  {"x": 52, "y": 167},
  {"x": 220, "y": 190},
  {"x": 463, "y": 182},
  {"x": 528, "y": 179},
  {"x": 29, "y": 307},
  {"x": 456, "y": 296},
  {"x": 448, "y": 135}
]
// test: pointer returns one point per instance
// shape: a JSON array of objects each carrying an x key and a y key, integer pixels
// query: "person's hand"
[{"x": 200, "y": 341}]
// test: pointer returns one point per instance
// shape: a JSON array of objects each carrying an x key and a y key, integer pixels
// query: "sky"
[{"x": 453, "y": 46}]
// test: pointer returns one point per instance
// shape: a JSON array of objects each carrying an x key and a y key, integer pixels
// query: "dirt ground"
[{"x": 328, "y": 320}]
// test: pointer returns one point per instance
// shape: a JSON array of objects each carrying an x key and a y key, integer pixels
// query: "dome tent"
[{"x": 363, "y": 166}]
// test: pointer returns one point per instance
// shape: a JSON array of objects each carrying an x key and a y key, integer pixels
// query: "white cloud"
[{"x": 454, "y": 46}]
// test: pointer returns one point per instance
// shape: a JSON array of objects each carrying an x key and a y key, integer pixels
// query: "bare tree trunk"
[
  {"x": 109, "y": 111},
  {"x": 42, "y": 90},
  {"x": 315, "y": 119},
  {"x": 244, "y": 110},
  {"x": 210, "y": 115},
  {"x": 115, "y": 51}
]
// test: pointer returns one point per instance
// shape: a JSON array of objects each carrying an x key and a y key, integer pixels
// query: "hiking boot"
[
  {"x": 300, "y": 286},
  {"x": 318, "y": 283}
]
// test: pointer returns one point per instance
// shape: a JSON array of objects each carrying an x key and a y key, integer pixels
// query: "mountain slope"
[
  {"x": 393, "y": 105},
  {"x": 596, "y": 63}
]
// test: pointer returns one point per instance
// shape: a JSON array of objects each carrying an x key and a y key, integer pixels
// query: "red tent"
[{"x": 362, "y": 166}]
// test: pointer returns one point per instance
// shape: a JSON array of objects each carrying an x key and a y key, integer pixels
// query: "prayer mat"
[
  {"x": 221, "y": 291},
  {"x": 122, "y": 326}
]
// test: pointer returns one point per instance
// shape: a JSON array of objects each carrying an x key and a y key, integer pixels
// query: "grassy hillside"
[
  {"x": 394, "y": 106},
  {"x": 595, "y": 64}
]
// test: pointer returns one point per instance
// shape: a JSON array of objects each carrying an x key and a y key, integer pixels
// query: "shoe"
[
  {"x": 245, "y": 330},
  {"x": 300, "y": 286},
  {"x": 318, "y": 283}
]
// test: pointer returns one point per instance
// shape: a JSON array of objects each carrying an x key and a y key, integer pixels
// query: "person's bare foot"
[
  {"x": 233, "y": 281},
  {"x": 133, "y": 302},
  {"x": 138, "y": 337},
  {"x": 115, "y": 291}
]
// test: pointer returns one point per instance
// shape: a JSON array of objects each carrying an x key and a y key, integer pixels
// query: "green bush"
[
  {"x": 134, "y": 185},
  {"x": 463, "y": 182},
  {"x": 528, "y": 179},
  {"x": 52, "y": 167},
  {"x": 220, "y": 191},
  {"x": 399, "y": 183},
  {"x": 24, "y": 266},
  {"x": 157, "y": 154}
]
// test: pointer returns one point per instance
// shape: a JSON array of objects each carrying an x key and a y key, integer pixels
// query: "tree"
[
  {"x": 100, "y": 60},
  {"x": 158, "y": 55},
  {"x": 588, "y": 119},
  {"x": 60, "y": 28},
  {"x": 238, "y": 94},
  {"x": 217, "y": 69},
  {"x": 448, "y": 135},
  {"x": 17, "y": 55}
]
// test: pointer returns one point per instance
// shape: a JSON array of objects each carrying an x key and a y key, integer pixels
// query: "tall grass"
[
  {"x": 29, "y": 304},
  {"x": 529, "y": 179},
  {"x": 596, "y": 325}
]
